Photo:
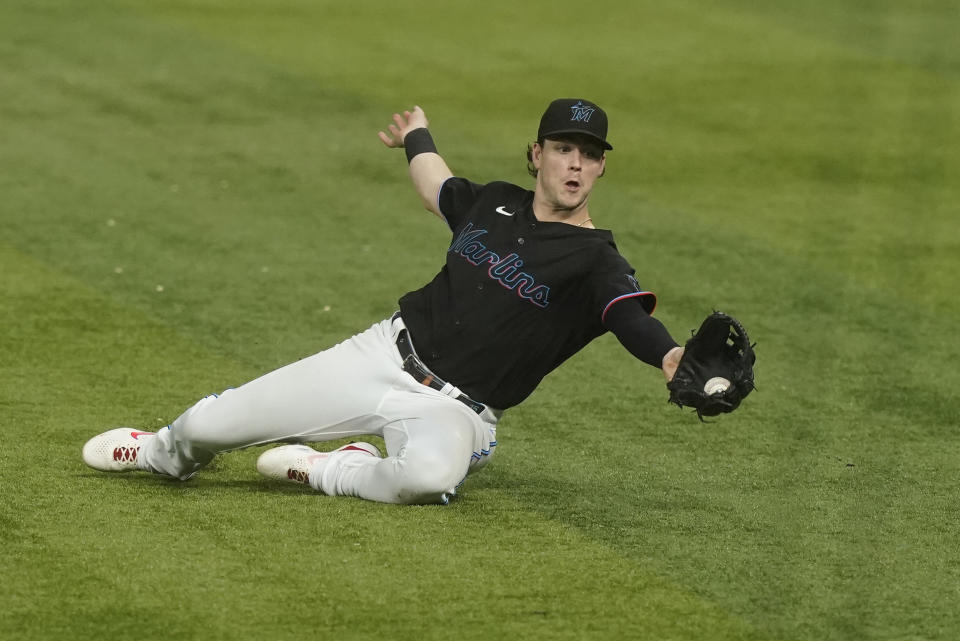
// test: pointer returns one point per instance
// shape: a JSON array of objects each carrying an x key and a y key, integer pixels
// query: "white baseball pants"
[{"x": 355, "y": 388}]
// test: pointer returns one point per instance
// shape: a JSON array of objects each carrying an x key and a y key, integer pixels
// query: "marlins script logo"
[
  {"x": 581, "y": 113},
  {"x": 505, "y": 270}
]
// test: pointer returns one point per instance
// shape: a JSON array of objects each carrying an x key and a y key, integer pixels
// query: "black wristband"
[{"x": 419, "y": 141}]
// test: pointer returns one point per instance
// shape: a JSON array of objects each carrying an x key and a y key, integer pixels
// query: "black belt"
[{"x": 415, "y": 368}]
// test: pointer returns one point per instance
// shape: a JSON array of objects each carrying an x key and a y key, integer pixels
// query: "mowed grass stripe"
[
  {"x": 69, "y": 349},
  {"x": 851, "y": 143},
  {"x": 248, "y": 207}
]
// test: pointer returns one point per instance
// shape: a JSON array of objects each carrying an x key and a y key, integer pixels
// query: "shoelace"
[
  {"x": 303, "y": 476},
  {"x": 125, "y": 454},
  {"x": 298, "y": 475}
]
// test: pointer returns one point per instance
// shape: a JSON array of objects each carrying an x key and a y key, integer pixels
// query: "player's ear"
[{"x": 536, "y": 152}]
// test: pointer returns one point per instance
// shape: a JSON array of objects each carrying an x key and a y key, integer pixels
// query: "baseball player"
[{"x": 528, "y": 281}]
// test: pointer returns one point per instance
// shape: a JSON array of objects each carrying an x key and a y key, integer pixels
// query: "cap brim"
[{"x": 581, "y": 132}]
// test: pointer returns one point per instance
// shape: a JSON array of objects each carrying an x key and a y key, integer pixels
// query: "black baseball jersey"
[{"x": 516, "y": 297}]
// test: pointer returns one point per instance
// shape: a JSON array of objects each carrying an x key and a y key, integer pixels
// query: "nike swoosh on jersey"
[
  {"x": 501, "y": 210},
  {"x": 137, "y": 435}
]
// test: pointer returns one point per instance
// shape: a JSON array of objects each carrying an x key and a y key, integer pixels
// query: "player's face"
[{"x": 567, "y": 170}]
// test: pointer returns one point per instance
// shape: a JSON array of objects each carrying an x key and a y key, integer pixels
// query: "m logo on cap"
[
  {"x": 581, "y": 113},
  {"x": 574, "y": 116}
]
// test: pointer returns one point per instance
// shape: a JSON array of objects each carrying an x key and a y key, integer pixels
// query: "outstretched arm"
[
  {"x": 427, "y": 168},
  {"x": 644, "y": 336}
]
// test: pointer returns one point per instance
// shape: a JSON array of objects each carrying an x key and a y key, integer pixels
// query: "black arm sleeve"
[{"x": 643, "y": 335}]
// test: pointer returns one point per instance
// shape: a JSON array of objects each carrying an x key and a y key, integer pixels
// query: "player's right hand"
[
  {"x": 403, "y": 124},
  {"x": 671, "y": 360}
]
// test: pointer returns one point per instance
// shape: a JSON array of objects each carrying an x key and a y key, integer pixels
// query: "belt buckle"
[
  {"x": 413, "y": 366},
  {"x": 419, "y": 372}
]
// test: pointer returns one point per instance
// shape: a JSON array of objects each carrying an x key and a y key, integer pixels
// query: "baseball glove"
[{"x": 716, "y": 370}]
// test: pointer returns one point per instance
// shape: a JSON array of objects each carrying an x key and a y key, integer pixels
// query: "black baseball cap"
[{"x": 574, "y": 116}]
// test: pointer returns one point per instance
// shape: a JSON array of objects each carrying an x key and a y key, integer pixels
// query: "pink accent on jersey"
[{"x": 603, "y": 316}]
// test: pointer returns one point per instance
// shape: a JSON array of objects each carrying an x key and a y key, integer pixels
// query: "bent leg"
[
  {"x": 429, "y": 454},
  {"x": 330, "y": 395}
]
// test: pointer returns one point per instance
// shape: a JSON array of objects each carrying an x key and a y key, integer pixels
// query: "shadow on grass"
[{"x": 207, "y": 482}]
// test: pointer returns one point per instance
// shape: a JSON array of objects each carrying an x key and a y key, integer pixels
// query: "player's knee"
[{"x": 430, "y": 481}]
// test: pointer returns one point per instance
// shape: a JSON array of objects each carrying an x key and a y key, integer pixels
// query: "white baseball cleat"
[
  {"x": 293, "y": 462},
  {"x": 115, "y": 450}
]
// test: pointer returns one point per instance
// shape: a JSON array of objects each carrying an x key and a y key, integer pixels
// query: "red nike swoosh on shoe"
[
  {"x": 137, "y": 435},
  {"x": 354, "y": 448}
]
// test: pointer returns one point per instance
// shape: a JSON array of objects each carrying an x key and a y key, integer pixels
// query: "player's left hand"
[{"x": 402, "y": 125}]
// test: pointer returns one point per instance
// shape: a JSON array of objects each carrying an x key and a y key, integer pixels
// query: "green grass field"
[{"x": 192, "y": 193}]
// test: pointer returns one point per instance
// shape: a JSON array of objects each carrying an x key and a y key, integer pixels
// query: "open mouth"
[{"x": 572, "y": 184}]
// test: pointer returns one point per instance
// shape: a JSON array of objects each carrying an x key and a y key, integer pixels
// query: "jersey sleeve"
[
  {"x": 457, "y": 196},
  {"x": 643, "y": 335},
  {"x": 614, "y": 281}
]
